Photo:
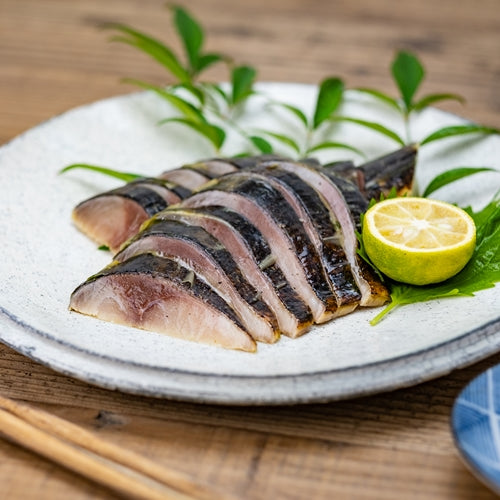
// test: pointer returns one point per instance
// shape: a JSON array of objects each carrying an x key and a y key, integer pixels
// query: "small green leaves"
[
  {"x": 434, "y": 98},
  {"x": 455, "y": 130},
  {"x": 284, "y": 139},
  {"x": 191, "y": 35},
  {"x": 242, "y": 79},
  {"x": 330, "y": 95},
  {"x": 211, "y": 132},
  {"x": 377, "y": 127},
  {"x": 334, "y": 145},
  {"x": 261, "y": 144},
  {"x": 381, "y": 96},
  {"x": 153, "y": 47},
  {"x": 453, "y": 175},
  {"x": 123, "y": 176},
  {"x": 294, "y": 110},
  {"x": 185, "y": 107},
  {"x": 408, "y": 74}
]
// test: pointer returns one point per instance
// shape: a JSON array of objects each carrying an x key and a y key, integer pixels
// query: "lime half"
[{"x": 418, "y": 240}]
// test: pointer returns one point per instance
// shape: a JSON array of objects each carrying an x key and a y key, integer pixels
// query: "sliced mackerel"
[
  {"x": 112, "y": 217},
  {"x": 340, "y": 213},
  {"x": 195, "y": 248},
  {"x": 358, "y": 204},
  {"x": 254, "y": 257},
  {"x": 158, "y": 294},
  {"x": 273, "y": 216},
  {"x": 325, "y": 235}
]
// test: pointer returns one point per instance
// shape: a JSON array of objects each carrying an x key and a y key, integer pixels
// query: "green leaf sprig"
[
  {"x": 191, "y": 36},
  {"x": 123, "y": 176},
  {"x": 408, "y": 74},
  {"x": 201, "y": 110},
  {"x": 330, "y": 97}
]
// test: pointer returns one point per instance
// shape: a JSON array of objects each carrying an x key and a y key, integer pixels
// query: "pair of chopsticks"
[{"x": 69, "y": 445}]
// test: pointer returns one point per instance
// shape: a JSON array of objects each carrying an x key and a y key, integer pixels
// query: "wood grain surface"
[{"x": 398, "y": 445}]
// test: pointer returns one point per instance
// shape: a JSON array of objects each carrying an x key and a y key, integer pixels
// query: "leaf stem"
[{"x": 387, "y": 309}]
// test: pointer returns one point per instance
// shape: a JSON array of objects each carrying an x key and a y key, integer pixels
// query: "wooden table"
[{"x": 391, "y": 446}]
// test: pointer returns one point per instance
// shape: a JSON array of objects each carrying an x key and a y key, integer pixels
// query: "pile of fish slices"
[{"x": 232, "y": 252}]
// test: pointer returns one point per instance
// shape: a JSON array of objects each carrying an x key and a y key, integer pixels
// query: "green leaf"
[
  {"x": 213, "y": 133},
  {"x": 330, "y": 95},
  {"x": 191, "y": 35},
  {"x": 455, "y": 130},
  {"x": 293, "y": 109},
  {"x": 408, "y": 74},
  {"x": 104, "y": 248},
  {"x": 185, "y": 107},
  {"x": 433, "y": 98},
  {"x": 381, "y": 96},
  {"x": 123, "y": 176},
  {"x": 261, "y": 144},
  {"x": 288, "y": 141},
  {"x": 377, "y": 127},
  {"x": 216, "y": 89},
  {"x": 192, "y": 89},
  {"x": 453, "y": 175},
  {"x": 333, "y": 145},
  {"x": 153, "y": 47},
  {"x": 206, "y": 60},
  {"x": 242, "y": 79}
]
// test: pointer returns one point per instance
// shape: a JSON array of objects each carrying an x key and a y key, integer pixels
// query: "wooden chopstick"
[{"x": 79, "y": 450}]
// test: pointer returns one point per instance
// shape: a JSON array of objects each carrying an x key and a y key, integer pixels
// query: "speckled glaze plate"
[
  {"x": 44, "y": 258},
  {"x": 475, "y": 424}
]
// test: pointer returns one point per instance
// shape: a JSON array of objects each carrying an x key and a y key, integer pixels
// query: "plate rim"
[{"x": 481, "y": 337}]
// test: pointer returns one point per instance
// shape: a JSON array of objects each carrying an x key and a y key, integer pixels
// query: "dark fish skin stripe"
[
  {"x": 180, "y": 191},
  {"x": 148, "y": 199},
  {"x": 334, "y": 259},
  {"x": 171, "y": 270},
  {"x": 358, "y": 205},
  {"x": 356, "y": 201},
  {"x": 393, "y": 170},
  {"x": 259, "y": 249},
  {"x": 347, "y": 170},
  {"x": 273, "y": 202},
  {"x": 251, "y": 161},
  {"x": 201, "y": 169},
  {"x": 209, "y": 245}
]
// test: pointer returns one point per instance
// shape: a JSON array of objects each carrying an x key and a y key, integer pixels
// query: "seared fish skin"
[
  {"x": 341, "y": 197},
  {"x": 266, "y": 208},
  {"x": 195, "y": 248},
  {"x": 254, "y": 257},
  {"x": 325, "y": 235},
  {"x": 237, "y": 251},
  {"x": 159, "y": 295},
  {"x": 112, "y": 217},
  {"x": 395, "y": 170}
]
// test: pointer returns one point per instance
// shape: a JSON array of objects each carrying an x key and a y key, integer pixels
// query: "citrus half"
[{"x": 418, "y": 240}]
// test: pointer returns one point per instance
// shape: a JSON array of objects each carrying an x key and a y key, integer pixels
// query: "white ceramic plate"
[{"x": 44, "y": 258}]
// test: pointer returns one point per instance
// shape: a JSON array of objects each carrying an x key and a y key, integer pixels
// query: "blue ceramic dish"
[{"x": 475, "y": 423}]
